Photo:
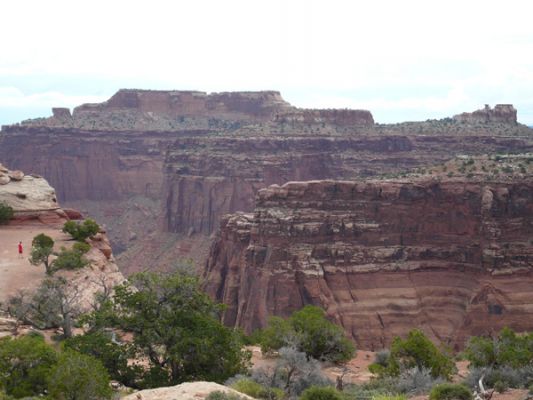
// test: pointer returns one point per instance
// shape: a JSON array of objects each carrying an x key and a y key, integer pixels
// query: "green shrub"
[
  {"x": 25, "y": 363},
  {"x": 69, "y": 259},
  {"x": 42, "y": 240},
  {"x": 293, "y": 372},
  {"x": 81, "y": 231},
  {"x": 321, "y": 393},
  {"x": 417, "y": 351},
  {"x": 81, "y": 247},
  {"x": 256, "y": 390},
  {"x": 249, "y": 387},
  {"x": 414, "y": 381},
  {"x": 369, "y": 390},
  {"x": 508, "y": 349},
  {"x": 376, "y": 369},
  {"x": 312, "y": 333},
  {"x": 517, "y": 378},
  {"x": 176, "y": 329},
  {"x": 42, "y": 247},
  {"x": 113, "y": 356},
  {"x": 219, "y": 395},
  {"x": 4, "y": 396},
  {"x": 500, "y": 386},
  {"x": 78, "y": 376},
  {"x": 6, "y": 212},
  {"x": 450, "y": 391}
]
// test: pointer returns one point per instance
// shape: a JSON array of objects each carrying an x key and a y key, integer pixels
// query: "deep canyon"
[{"x": 161, "y": 169}]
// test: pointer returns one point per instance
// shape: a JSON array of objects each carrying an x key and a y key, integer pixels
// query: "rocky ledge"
[
  {"x": 453, "y": 257},
  {"x": 36, "y": 210},
  {"x": 501, "y": 113}
]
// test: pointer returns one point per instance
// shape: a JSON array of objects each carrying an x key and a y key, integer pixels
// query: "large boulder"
[{"x": 185, "y": 391}]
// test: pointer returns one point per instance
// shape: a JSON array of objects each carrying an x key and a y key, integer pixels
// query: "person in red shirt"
[{"x": 20, "y": 250}]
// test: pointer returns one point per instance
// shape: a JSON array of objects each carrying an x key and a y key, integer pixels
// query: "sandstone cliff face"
[
  {"x": 501, "y": 113},
  {"x": 175, "y": 162},
  {"x": 208, "y": 177},
  {"x": 454, "y": 258}
]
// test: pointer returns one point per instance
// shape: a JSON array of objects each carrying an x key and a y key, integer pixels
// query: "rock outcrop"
[
  {"x": 185, "y": 391},
  {"x": 501, "y": 113},
  {"x": 36, "y": 210},
  {"x": 451, "y": 256},
  {"x": 160, "y": 168}
]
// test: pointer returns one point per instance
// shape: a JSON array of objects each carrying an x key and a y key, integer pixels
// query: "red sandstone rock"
[
  {"x": 73, "y": 214},
  {"x": 503, "y": 113},
  {"x": 192, "y": 157},
  {"x": 381, "y": 257},
  {"x": 61, "y": 113}
]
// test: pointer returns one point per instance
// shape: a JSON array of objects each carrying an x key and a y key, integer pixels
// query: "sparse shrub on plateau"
[
  {"x": 6, "y": 213},
  {"x": 321, "y": 393},
  {"x": 83, "y": 230},
  {"x": 415, "y": 351},
  {"x": 309, "y": 331},
  {"x": 218, "y": 395},
  {"x": 450, "y": 391}
]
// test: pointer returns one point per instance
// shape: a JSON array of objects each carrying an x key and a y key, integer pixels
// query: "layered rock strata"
[
  {"x": 160, "y": 168},
  {"x": 503, "y": 113},
  {"x": 452, "y": 257}
]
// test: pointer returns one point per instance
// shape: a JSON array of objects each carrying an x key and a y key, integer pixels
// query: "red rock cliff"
[
  {"x": 160, "y": 168},
  {"x": 501, "y": 113},
  {"x": 454, "y": 258}
]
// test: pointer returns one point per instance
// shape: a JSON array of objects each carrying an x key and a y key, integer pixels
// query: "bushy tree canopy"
[
  {"x": 6, "y": 212},
  {"x": 70, "y": 259},
  {"x": 83, "y": 230},
  {"x": 507, "y": 349},
  {"x": 176, "y": 327},
  {"x": 24, "y": 365},
  {"x": 310, "y": 331},
  {"x": 54, "y": 304},
  {"x": 78, "y": 377},
  {"x": 415, "y": 351},
  {"x": 42, "y": 247},
  {"x": 114, "y": 357}
]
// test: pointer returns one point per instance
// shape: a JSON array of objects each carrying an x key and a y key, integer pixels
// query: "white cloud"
[
  {"x": 477, "y": 51},
  {"x": 11, "y": 97}
]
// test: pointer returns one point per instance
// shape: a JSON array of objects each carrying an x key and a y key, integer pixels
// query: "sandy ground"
[{"x": 17, "y": 273}]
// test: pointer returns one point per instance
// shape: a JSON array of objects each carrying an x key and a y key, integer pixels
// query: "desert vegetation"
[
  {"x": 29, "y": 368},
  {"x": 81, "y": 230},
  {"x": 6, "y": 213},
  {"x": 309, "y": 332},
  {"x": 42, "y": 251},
  {"x": 160, "y": 330}
]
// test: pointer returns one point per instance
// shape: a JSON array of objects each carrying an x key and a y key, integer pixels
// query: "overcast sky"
[{"x": 402, "y": 60}]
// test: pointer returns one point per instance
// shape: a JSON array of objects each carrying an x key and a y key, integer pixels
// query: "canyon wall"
[
  {"x": 160, "y": 168},
  {"x": 451, "y": 256}
]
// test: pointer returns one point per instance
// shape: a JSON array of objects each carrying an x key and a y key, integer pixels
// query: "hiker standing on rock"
[{"x": 20, "y": 250}]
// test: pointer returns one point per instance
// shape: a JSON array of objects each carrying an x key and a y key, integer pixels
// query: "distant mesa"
[
  {"x": 173, "y": 109},
  {"x": 61, "y": 113},
  {"x": 259, "y": 105},
  {"x": 501, "y": 113}
]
